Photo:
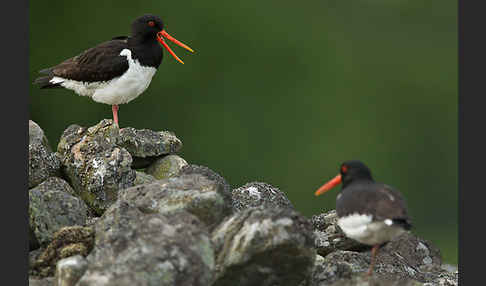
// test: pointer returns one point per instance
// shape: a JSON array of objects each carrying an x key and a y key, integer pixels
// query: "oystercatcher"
[
  {"x": 116, "y": 71},
  {"x": 369, "y": 212}
]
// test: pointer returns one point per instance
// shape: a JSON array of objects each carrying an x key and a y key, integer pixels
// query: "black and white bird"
[
  {"x": 371, "y": 213},
  {"x": 116, "y": 71}
]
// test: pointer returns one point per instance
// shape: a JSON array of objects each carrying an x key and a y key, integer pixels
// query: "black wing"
[
  {"x": 100, "y": 63},
  {"x": 379, "y": 200}
]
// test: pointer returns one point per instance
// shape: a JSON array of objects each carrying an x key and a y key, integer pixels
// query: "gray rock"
[
  {"x": 33, "y": 255},
  {"x": 329, "y": 237},
  {"x": 35, "y": 281},
  {"x": 43, "y": 163},
  {"x": 143, "y": 178},
  {"x": 166, "y": 167},
  {"x": 400, "y": 262},
  {"x": 224, "y": 189},
  {"x": 148, "y": 143},
  {"x": 51, "y": 207},
  {"x": 444, "y": 279},
  {"x": 137, "y": 248},
  {"x": 193, "y": 193},
  {"x": 256, "y": 194},
  {"x": 95, "y": 165},
  {"x": 68, "y": 241},
  {"x": 70, "y": 269},
  {"x": 449, "y": 267},
  {"x": 33, "y": 242},
  {"x": 264, "y": 246}
]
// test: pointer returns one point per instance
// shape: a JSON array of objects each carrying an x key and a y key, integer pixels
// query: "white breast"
[
  {"x": 119, "y": 90},
  {"x": 361, "y": 228}
]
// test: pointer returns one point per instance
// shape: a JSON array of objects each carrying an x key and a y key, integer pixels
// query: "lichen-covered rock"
[
  {"x": 143, "y": 178},
  {"x": 70, "y": 269},
  {"x": 148, "y": 143},
  {"x": 256, "y": 194},
  {"x": 137, "y": 248},
  {"x": 166, "y": 167},
  {"x": 95, "y": 165},
  {"x": 68, "y": 241},
  {"x": 263, "y": 246},
  {"x": 407, "y": 260},
  {"x": 224, "y": 189},
  {"x": 33, "y": 242},
  {"x": 43, "y": 163},
  {"x": 35, "y": 281},
  {"x": 193, "y": 193},
  {"x": 329, "y": 237},
  {"x": 51, "y": 207}
]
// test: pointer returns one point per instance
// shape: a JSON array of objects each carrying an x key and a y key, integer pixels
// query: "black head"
[
  {"x": 151, "y": 28},
  {"x": 147, "y": 26},
  {"x": 354, "y": 170},
  {"x": 350, "y": 171}
]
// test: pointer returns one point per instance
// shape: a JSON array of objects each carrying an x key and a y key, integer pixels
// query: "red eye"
[
  {"x": 344, "y": 169},
  {"x": 151, "y": 23}
]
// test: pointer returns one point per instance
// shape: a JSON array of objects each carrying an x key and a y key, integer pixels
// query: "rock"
[
  {"x": 33, "y": 242},
  {"x": 68, "y": 241},
  {"x": 137, "y": 248},
  {"x": 143, "y": 178},
  {"x": 263, "y": 246},
  {"x": 407, "y": 260},
  {"x": 69, "y": 270},
  {"x": 329, "y": 237},
  {"x": 256, "y": 194},
  {"x": 362, "y": 280},
  {"x": 225, "y": 188},
  {"x": 34, "y": 281},
  {"x": 33, "y": 255},
  {"x": 193, "y": 193},
  {"x": 96, "y": 167},
  {"x": 51, "y": 207},
  {"x": 43, "y": 163},
  {"x": 449, "y": 267},
  {"x": 148, "y": 143},
  {"x": 166, "y": 167}
]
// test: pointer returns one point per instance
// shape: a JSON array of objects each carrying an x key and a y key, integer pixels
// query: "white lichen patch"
[
  {"x": 100, "y": 168},
  {"x": 254, "y": 192}
]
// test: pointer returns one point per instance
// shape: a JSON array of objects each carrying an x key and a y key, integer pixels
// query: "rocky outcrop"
[
  {"x": 191, "y": 193},
  {"x": 43, "y": 163},
  {"x": 256, "y": 194},
  {"x": 120, "y": 208},
  {"x": 166, "y": 167},
  {"x": 52, "y": 205},
  {"x": 264, "y": 246},
  {"x": 133, "y": 247},
  {"x": 68, "y": 241}
]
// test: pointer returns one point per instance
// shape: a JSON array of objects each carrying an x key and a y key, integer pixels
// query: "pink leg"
[
  {"x": 373, "y": 255},
  {"x": 114, "y": 108}
]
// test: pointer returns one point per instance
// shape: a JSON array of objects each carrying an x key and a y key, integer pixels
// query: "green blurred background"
[{"x": 284, "y": 91}]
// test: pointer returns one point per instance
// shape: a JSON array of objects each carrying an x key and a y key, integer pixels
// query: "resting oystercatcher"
[
  {"x": 116, "y": 71},
  {"x": 369, "y": 212}
]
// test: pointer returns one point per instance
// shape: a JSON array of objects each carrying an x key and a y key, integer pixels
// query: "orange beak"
[
  {"x": 163, "y": 34},
  {"x": 329, "y": 185}
]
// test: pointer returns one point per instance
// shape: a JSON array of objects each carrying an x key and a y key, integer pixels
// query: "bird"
[
  {"x": 369, "y": 212},
  {"x": 116, "y": 71}
]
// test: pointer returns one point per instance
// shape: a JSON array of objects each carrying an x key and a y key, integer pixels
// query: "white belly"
[
  {"x": 119, "y": 90},
  {"x": 362, "y": 229}
]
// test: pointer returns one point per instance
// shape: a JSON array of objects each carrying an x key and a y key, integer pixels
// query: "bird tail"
[{"x": 45, "y": 81}]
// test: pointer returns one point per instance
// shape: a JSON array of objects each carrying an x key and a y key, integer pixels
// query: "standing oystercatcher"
[
  {"x": 116, "y": 71},
  {"x": 369, "y": 212}
]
